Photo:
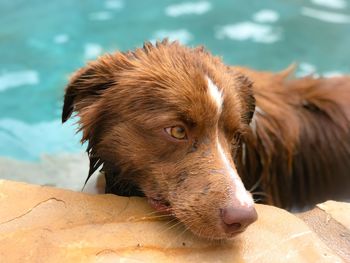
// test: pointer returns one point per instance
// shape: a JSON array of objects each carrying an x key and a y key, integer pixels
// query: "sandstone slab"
[{"x": 46, "y": 224}]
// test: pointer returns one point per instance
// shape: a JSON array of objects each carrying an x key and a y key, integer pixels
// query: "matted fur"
[
  {"x": 295, "y": 150},
  {"x": 298, "y": 149}
]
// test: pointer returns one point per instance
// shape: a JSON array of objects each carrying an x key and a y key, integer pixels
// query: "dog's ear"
[
  {"x": 78, "y": 89},
  {"x": 245, "y": 88},
  {"x": 84, "y": 88},
  {"x": 84, "y": 92},
  {"x": 88, "y": 83}
]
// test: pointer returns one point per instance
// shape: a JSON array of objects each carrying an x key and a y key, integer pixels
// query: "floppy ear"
[
  {"x": 245, "y": 89},
  {"x": 83, "y": 94},
  {"x": 82, "y": 90},
  {"x": 88, "y": 83}
]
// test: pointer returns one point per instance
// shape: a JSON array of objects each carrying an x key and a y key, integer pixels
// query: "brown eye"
[{"x": 177, "y": 132}]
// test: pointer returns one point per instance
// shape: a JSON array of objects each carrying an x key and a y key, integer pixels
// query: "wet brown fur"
[
  {"x": 296, "y": 149},
  {"x": 299, "y": 146}
]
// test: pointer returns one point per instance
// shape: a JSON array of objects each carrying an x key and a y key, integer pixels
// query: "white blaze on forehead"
[
  {"x": 241, "y": 193},
  {"x": 215, "y": 93}
]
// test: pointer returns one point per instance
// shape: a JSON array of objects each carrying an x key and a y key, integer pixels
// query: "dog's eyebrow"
[{"x": 187, "y": 120}]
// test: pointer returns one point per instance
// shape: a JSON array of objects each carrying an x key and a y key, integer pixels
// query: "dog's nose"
[{"x": 236, "y": 219}]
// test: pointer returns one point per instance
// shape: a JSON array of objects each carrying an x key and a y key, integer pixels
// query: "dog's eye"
[{"x": 177, "y": 132}]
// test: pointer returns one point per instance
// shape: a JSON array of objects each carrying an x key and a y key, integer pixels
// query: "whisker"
[
  {"x": 154, "y": 217},
  {"x": 171, "y": 221},
  {"x": 177, "y": 237},
  {"x": 256, "y": 185},
  {"x": 173, "y": 226},
  {"x": 167, "y": 228},
  {"x": 260, "y": 193}
]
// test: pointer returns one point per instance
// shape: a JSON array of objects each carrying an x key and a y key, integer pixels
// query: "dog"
[{"x": 177, "y": 125}]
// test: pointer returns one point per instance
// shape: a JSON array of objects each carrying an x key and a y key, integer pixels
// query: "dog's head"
[{"x": 169, "y": 119}]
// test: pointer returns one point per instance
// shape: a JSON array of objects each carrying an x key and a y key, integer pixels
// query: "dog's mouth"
[{"x": 160, "y": 204}]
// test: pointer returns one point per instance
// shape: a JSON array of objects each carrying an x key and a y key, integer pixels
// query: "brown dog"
[{"x": 176, "y": 125}]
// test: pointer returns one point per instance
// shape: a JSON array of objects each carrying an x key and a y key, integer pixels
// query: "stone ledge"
[{"x": 45, "y": 224}]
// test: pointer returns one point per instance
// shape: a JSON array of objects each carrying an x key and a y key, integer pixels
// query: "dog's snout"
[{"x": 236, "y": 219}]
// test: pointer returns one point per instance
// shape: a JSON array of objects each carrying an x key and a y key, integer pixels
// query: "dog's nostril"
[
  {"x": 238, "y": 218},
  {"x": 234, "y": 227}
]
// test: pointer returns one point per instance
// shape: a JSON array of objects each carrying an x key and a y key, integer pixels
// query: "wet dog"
[{"x": 177, "y": 125}]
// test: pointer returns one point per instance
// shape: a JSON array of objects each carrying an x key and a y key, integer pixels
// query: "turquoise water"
[{"x": 42, "y": 42}]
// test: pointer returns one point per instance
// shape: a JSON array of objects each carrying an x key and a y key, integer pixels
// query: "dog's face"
[{"x": 169, "y": 119}]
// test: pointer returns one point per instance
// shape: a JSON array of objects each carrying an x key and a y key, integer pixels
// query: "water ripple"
[
  {"x": 249, "y": 31},
  {"x": 326, "y": 16},
  {"x": 188, "y": 8},
  {"x": 18, "y": 78}
]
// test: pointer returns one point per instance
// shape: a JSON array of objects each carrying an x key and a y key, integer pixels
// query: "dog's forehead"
[
  {"x": 188, "y": 83},
  {"x": 199, "y": 98}
]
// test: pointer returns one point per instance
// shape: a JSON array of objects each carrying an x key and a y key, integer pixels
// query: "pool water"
[{"x": 42, "y": 42}]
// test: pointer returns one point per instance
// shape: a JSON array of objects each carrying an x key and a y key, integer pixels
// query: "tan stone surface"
[
  {"x": 340, "y": 211},
  {"x": 43, "y": 224},
  {"x": 330, "y": 221}
]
